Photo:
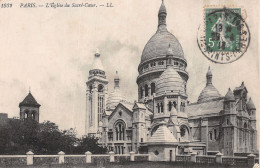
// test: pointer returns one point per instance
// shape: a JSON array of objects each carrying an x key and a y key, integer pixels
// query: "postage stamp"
[{"x": 224, "y": 35}]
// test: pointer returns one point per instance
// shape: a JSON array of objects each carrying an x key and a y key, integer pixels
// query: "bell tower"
[{"x": 96, "y": 94}]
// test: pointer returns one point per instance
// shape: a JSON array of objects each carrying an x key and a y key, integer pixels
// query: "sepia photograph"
[{"x": 109, "y": 83}]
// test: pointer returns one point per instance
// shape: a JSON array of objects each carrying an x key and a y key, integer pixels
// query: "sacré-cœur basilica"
[{"x": 162, "y": 122}]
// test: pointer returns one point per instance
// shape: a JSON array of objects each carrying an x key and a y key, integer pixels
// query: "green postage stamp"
[{"x": 224, "y": 35}]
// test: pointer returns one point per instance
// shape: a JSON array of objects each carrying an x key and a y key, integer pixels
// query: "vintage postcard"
[{"x": 151, "y": 83}]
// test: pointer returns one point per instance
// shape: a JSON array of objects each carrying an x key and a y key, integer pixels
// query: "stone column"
[
  {"x": 95, "y": 108},
  {"x": 137, "y": 138},
  {"x": 61, "y": 157},
  {"x": 251, "y": 159},
  {"x": 165, "y": 102},
  {"x": 219, "y": 158},
  {"x": 132, "y": 139},
  {"x": 132, "y": 156},
  {"x": 112, "y": 156},
  {"x": 30, "y": 158},
  {"x": 88, "y": 157},
  {"x": 193, "y": 157},
  {"x": 87, "y": 113}
]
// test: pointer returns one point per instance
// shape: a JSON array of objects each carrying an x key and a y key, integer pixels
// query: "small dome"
[
  {"x": 209, "y": 92},
  {"x": 115, "y": 96},
  {"x": 169, "y": 82},
  {"x": 229, "y": 96},
  {"x": 250, "y": 104}
]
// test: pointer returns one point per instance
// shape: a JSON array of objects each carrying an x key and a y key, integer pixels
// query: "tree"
[{"x": 90, "y": 143}]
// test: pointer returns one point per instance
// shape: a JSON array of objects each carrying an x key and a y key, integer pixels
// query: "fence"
[
  {"x": 219, "y": 159},
  {"x": 61, "y": 158}
]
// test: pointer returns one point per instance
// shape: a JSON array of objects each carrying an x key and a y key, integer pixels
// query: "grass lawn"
[{"x": 135, "y": 165}]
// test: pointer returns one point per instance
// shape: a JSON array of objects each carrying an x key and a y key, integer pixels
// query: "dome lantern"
[
  {"x": 162, "y": 15},
  {"x": 209, "y": 77},
  {"x": 116, "y": 80}
]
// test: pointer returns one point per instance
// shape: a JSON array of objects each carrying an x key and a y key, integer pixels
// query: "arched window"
[
  {"x": 26, "y": 114},
  {"x": 170, "y": 106},
  {"x": 174, "y": 104},
  {"x": 33, "y": 115},
  {"x": 245, "y": 125},
  {"x": 161, "y": 107},
  {"x": 181, "y": 107},
  {"x": 158, "y": 107},
  {"x": 141, "y": 92},
  {"x": 146, "y": 90},
  {"x": 100, "y": 88},
  {"x": 120, "y": 131},
  {"x": 152, "y": 88},
  {"x": 184, "y": 132}
]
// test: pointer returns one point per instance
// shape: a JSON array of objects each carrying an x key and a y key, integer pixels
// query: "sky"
[{"x": 51, "y": 51}]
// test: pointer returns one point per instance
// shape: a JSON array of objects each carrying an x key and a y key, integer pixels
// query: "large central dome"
[{"x": 158, "y": 45}]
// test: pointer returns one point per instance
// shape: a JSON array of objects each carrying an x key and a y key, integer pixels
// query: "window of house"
[
  {"x": 227, "y": 121},
  {"x": 142, "y": 140}
]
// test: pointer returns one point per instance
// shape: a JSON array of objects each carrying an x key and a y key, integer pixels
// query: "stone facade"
[{"x": 162, "y": 122}]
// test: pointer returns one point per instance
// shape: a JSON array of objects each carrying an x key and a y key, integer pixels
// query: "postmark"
[{"x": 224, "y": 35}]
